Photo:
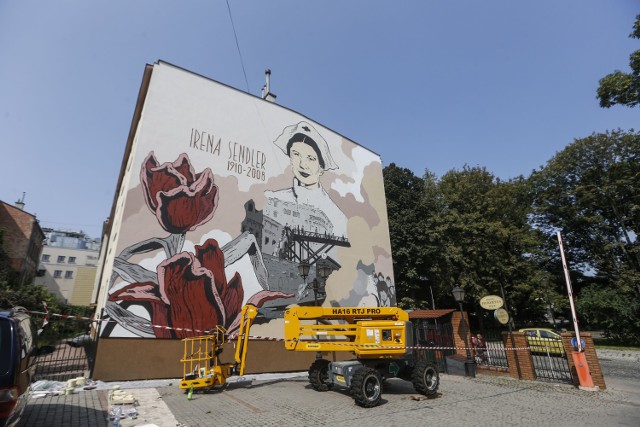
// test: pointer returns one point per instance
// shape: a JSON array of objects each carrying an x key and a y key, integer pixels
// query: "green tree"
[
  {"x": 467, "y": 228},
  {"x": 619, "y": 87},
  {"x": 404, "y": 192},
  {"x": 590, "y": 191},
  {"x": 488, "y": 244}
]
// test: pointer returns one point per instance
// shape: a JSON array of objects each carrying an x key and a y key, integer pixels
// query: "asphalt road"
[{"x": 620, "y": 370}]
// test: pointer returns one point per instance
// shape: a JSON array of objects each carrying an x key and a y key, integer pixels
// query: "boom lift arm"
[{"x": 201, "y": 360}]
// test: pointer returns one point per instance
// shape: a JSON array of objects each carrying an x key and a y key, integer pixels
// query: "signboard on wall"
[
  {"x": 491, "y": 302},
  {"x": 223, "y": 195}
]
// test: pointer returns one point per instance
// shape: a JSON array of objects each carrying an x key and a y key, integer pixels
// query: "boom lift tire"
[
  {"x": 366, "y": 387},
  {"x": 319, "y": 375},
  {"x": 425, "y": 378}
]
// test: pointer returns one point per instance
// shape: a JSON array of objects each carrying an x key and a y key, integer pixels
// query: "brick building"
[{"x": 22, "y": 240}]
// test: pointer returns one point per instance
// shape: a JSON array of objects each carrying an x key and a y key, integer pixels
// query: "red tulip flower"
[
  {"x": 181, "y": 199},
  {"x": 192, "y": 293}
]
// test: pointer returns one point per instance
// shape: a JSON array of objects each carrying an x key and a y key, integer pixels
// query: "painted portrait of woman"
[{"x": 306, "y": 204}]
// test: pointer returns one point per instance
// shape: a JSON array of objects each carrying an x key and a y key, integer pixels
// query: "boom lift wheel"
[
  {"x": 366, "y": 387},
  {"x": 319, "y": 375},
  {"x": 425, "y": 378}
]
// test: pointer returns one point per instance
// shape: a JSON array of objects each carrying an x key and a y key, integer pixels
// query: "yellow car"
[{"x": 545, "y": 341}]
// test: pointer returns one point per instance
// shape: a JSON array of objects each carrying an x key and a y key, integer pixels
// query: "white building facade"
[{"x": 68, "y": 266}]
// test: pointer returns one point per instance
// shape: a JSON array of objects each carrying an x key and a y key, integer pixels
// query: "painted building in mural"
[{"x": 221, "y": 197}]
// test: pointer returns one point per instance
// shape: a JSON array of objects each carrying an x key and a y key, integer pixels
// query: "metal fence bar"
[
  {"x": 489, "y": 349},
  {"x": 550, "y": 362},
  {"x": 430, "y": 332},
  {"x": 63, "y": 349}
]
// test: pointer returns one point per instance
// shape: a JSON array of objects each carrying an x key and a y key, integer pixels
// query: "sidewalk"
[{"x": 288, "y": 400}]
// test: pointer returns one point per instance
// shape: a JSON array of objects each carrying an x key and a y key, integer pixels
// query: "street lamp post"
[
  {"x": 303, "y": 270},
  {"x": 324, "y": 271},
  {"x": 469, "y": 364}
]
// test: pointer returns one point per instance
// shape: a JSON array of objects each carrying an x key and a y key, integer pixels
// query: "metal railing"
[
  {"x": 65, "y": 349},
  {"x": 431, "y": 333},
  {"x": 550, "y": 360},
  {"x": 488, "y": 349}
]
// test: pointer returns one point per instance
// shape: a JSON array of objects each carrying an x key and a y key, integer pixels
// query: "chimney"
[
  {"x": 266, "y": 89},
  {"x": 20, "y": 203}
]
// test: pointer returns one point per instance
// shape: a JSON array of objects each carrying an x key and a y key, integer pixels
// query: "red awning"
[{"x": 430, "y": 314}]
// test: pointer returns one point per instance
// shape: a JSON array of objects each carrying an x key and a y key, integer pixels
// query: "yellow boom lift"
[
  {"x": 202, "y": 368},
  {"x": 380, "y": 338}
]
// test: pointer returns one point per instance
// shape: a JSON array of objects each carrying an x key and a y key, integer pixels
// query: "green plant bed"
[
  {"x": 612, "y": 344},
  {"x": 617, "y": 347}
]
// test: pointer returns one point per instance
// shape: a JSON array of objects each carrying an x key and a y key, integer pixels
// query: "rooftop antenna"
[
  {"x": 266, "y": 89},
  {"x": 20, "y": 202}
]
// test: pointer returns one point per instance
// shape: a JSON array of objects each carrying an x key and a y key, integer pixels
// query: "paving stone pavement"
[
  {"x": 485, "y": 400},
  {"x": 275, "y": 401}
]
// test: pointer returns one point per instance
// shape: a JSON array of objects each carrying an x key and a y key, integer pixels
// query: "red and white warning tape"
[{"x": 46, "y": 318}]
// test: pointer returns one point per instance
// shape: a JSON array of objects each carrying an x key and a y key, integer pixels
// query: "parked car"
[
  {"x": 17, "y": 362},
  {"x": 543, "y": 340}
]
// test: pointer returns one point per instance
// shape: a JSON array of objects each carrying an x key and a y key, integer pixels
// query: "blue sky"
[{"x": 426, "y": 84}]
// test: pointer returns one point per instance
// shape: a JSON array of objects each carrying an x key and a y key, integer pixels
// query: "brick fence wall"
[
  {"x": 460, "y": 329},
  {"x": 520, "y": 361}
]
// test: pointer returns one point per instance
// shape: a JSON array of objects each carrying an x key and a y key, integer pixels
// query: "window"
[
  {"x": 546, "y": 334},
  {"x": 46, "y": 258},
  {"x": 72, "y": 260},
  {"x": 61, "y": 259},
  {"x": 68, "y": 274},
  {"x": 57, "y": 274}
]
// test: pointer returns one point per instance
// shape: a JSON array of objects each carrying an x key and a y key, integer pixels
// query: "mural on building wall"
[
  {"x": 188, "y": 291},
  {"x": 214, "y": 220}
]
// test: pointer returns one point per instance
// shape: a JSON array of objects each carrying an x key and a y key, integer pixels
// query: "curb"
[{"x": 629, "y": 355}]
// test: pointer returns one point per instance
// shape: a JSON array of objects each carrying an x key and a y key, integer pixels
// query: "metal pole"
[
  {"x": 469, "y": 368},
  {"x": 570, "y": 292},
  {"x": 433, "y": 301},
  {"x": 509, "y": 324}
]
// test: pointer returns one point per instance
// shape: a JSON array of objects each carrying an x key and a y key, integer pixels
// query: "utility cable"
[{"x": 238, "y": 47}]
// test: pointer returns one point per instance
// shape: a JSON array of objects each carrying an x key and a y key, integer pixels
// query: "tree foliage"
[
  {"x": 11, "y": 294},
  {"x": 467, "y": 228},
  {"x": 619, "y": 87},
  {"x": 590, "y": 192},
  {"x": 404, "y": 192}
]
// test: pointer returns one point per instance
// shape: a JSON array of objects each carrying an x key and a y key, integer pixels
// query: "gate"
[
  {"x": 488, "y": 348},
  {"x": 434, "y": 333},
  {"x": 65, "y": 349},
  {"x": 549, "y": 358}
]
